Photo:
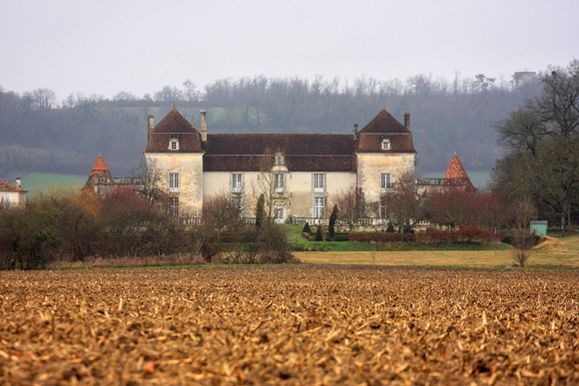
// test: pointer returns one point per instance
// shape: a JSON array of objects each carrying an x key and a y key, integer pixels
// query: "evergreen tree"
[
  {"x": 307, "y": 228},
  {"x": 332, "y": 225},
  {"x": 260, "y": 211}
]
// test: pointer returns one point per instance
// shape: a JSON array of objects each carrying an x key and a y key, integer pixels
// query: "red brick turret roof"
[
  {"x": 100, "y": 166},
  {"x": 456, "y": 174}
]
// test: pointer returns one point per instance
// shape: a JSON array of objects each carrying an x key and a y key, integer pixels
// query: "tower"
[
  {"x": 174, "y": 158},
  {"x": 384, "y": 151}
]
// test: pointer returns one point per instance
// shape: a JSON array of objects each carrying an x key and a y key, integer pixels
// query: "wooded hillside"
[{"x": 37, "y": 133}]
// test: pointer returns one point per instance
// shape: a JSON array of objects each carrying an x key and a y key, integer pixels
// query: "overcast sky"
[{"x": 139, "y": 46}]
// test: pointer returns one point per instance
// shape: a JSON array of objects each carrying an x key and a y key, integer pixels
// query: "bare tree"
[
  {"x": 523, "y": 239},
  {"x": 350, "y": 203},
  {"x": 150, "y": 176},
  {"x": 42, "y": 98},
  {"x": 266, "y": 184},
  {"x": 404, "y": 202},
  {"x": 220, "y": 213}
]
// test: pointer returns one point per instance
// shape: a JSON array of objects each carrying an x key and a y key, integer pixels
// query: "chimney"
[
  {"x": 150, "y": 125},
  {"x": 203, "y": 125},
  {"x": 407, "y": 121},
  {"x": 355, "y": 130},
  {"x": 18, "y": 182}
]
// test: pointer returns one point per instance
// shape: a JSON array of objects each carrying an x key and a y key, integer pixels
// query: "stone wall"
[
  {"x": 372, "y": 165},
  {"x": 190, "y": 169}
]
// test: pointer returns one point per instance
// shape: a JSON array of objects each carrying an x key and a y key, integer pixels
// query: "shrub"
[
  {"x": 307, "y": 228},
  {"x": 320, "y": 233},
  {"x": 271, "y": 245}
]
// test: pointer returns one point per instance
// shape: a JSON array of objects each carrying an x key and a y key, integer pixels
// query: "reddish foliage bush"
[{"x": 466, "y": 233}]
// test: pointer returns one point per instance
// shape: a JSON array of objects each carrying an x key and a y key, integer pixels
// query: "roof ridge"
[{"x": 384, "y": 122}]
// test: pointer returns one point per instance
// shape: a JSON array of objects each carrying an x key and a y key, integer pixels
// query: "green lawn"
[{"x": 45, "y": 182}]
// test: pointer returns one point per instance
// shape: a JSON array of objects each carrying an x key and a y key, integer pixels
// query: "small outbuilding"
[
  {"x": 12, "y": 195},
  {"x": 539, "y": 227}
]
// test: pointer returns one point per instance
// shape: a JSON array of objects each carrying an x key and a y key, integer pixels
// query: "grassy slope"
[
  {"x": 553, "y": 253},
  {"x": 44, "y": 182}
]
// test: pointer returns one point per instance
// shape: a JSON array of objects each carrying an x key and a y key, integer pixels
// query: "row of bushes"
[
  {"x": 466, "y": 234},
  {"x": 72, "y": 227}
]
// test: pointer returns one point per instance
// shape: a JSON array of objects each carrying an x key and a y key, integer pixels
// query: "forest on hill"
[{"x": 40, "y": 134}]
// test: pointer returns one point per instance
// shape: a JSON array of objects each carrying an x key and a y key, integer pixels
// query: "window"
[
  {"x": 279, "y": 182},
  {"x": 278, "y": 214},
  {"x": 174, "y": 182},
  {"x": 386, "y": 144},
  {"x": 174, "y": 206},
  {"x": 319, "y": 182},
  {"x": 236, "y": 182},
  {"x": 385, "y": 181},
  {"x": 319, "y": 204},
  {"x": 174, "y": 144}
]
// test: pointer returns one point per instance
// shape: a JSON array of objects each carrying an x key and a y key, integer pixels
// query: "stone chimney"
[
  {"x": 18, "y": 182},
  {"x": 355, "y": 131},
  {"x": 150, "y": 125},
  {"x": 407, "y": 121},
  {"x": 203, "y": 125}
]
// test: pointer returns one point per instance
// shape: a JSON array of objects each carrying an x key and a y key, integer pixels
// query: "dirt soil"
[{"x": 297, "y": 325}]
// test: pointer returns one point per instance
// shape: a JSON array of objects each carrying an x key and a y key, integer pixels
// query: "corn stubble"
[{"x": 289, "y": 325}]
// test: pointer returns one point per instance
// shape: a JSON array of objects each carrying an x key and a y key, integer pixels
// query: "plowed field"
[{"x": 295, "y": 325}]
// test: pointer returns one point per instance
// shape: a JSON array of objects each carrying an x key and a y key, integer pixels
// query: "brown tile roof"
[
  {"x": 311, "y": 163},
  {"x": 372, "y": 143},
  {"x": 174, "y": 122},
  {"x": 303, "y": 152},
  {"x": 289, "y": 144},
  {"x": 188, "y": 143},
  {"x": 384, "y": 122},
  {"x": 6, "y": 187},
  {"x": 174, "y": 125}
]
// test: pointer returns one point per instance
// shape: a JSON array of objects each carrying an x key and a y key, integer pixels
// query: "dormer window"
[
  {"x": 386, "y": 144},
  {"x": 279, "y": 159},
  {"x": 174, "y": 144}
]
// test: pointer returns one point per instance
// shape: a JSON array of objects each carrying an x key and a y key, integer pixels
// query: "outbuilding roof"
[{"x": 7, "y": 187}]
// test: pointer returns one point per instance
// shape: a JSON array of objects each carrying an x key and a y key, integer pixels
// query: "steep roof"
[
  {"x": 6, "y": 187},
  {"x": 174, "y": 125},
  {"x": 384, "y": 122},
  {"x": 455, "y": 172},
  {"x": 174, "y": 122},
  {"x": 455, "y": 169},
  {"x": 100, "y": 166}
]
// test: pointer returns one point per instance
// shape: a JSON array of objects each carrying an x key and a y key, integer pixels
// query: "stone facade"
[{"x": 311, "y": 169}]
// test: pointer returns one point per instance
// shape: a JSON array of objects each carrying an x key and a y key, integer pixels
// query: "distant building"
[
  {"x": 103, "y": 183},
  {"x": 521, "y": 78},
  {"x": 12, "y": 195},
  {"x": 303, "y": 174},
  {"x": 307, "y": 171},
  {"x": 455, "y": 178}
]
